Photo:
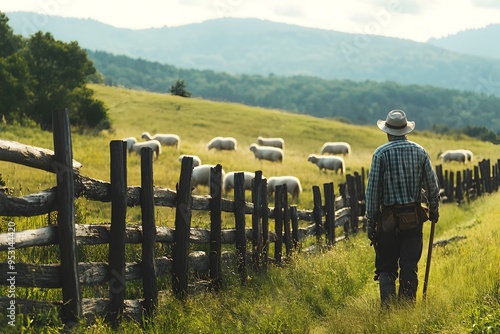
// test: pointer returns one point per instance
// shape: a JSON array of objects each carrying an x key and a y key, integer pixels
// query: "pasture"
[
  {"x": 198, "y": 121},
  {"x": 327, "y": 292}
]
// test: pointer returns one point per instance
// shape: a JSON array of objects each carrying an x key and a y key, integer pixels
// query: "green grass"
[{"x": 330, "y": 292}]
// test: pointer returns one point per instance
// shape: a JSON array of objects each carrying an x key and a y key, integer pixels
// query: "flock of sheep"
[{"x": 270, "y": 149}]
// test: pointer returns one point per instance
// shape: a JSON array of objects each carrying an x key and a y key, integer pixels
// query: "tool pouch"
[{"x": 403, "y": 216}]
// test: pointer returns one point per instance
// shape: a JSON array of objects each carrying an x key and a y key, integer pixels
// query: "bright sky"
[{"x": 409, "y": 19}]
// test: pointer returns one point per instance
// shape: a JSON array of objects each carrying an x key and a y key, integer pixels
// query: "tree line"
[
  {"x": 356, "y": 102},
  {"x": 40, "y": 74}
]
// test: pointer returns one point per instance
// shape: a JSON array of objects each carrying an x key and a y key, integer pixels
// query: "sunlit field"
[{"x": 327, "y": 292}]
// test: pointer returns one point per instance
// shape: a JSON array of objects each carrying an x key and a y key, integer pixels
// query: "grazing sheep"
[
  {"x": 293, "y": 185},
  {"x": 228, "y": 181},
  {"x": 201, "y": 175},
  {"x": 222, "y": 143},
  {"x": 155, "y": 145},
  {"x": 453, "y": 155},
  {"x": 167, "y": 139},
  {"x": 330, "y": 162},
  {"x": 336, "y": 148},
  {"x": 267, "y": 153},
  {"x": 274, "y": 142},
  {"x": 196, "y": 159}
]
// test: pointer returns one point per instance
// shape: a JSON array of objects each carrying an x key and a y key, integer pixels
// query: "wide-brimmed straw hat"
[{"x": 396, "y": 123}]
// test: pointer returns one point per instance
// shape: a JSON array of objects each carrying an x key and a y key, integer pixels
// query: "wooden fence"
[
  {"x": 345, "y": 210},
  {"x": 470, "y": 183}
]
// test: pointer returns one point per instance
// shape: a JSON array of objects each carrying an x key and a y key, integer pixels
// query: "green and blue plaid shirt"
[{"x": 400, "y": 169}]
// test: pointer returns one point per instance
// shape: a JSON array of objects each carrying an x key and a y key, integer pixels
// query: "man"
[{"x": 399, "y": 172}]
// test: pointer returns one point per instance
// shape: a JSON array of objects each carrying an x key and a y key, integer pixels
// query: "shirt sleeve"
[
  {"x": 373, "y": 194},
  {"x": 431, "y": 184}
]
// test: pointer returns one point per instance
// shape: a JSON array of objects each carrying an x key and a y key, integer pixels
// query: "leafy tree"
[
  {"x": 57, "y": 69},
  {"x": 14, "y": 75},
  {"x": 179, "y": 88},
  {"x": 40, "y": 74},
  {"x": 9, "y": 43},
  {"x": 480, "y": 132}
]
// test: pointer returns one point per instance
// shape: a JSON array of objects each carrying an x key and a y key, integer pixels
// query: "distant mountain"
[
  {"x": 477, "y": 42},
  {"x": 251, "y": 46}
]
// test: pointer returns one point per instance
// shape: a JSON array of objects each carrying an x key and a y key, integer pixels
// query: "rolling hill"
[
  {"x": 476, "y": 42},
  {"x": 251, "y": 46}
]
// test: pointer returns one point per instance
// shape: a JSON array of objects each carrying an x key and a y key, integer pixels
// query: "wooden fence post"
[
  {"x": 353, "y": 202},
  {"x": 239, "y": 215},
  {"x": 118, "y": 163},
  {"x": 63, "y": 166},
  {"x": 459, "y": 187},
  {"x": 265, "y": 226},
  {"x": 215, "y": 227},
  {"x": 343, "y": 194},
  {"x": 148, "y": 264},
  {"x": 295, "y": 226},
  {"x": 286, "y": 223},
  {"x": 477, "y": 181},
  {"x": 329, "y": 212},
  {"x": 439, "y": 174},
  {"x": 317, "y": 214},
  {"x": 182, "y": 230},
  {"x": 256, "y": 217},
  {"x": 278, "y": 222},
  {"x": 496, "y": 170},
  {"x": 451, "y": 187}
]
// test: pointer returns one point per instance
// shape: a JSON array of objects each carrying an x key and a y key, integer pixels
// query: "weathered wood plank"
[
  {"x": 98, "y": 190},
  {"x": 92, "y": 308},
  {"x": 95, "y": 273},
  {"x": 29, "y": 205},
  {"x": 31, "y": 156},
  {"x": 63, "y": 158},
  {"x": 96, "y": 234}
]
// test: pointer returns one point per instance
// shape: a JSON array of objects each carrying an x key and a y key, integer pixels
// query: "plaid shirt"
[{"x": 399, "y": 170}]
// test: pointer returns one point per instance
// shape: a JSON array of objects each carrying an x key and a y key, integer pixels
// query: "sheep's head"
[{"x": 312, "y": 158}]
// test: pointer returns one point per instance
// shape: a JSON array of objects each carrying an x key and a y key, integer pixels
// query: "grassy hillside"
[
  {"x": 197, "y": 121},
  {"x": 331, "y": 292}
]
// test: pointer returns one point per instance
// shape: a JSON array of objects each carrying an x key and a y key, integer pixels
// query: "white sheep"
[
  {"x": 275, "y": 142},
  {"x": 130, "y": 141},
  {"x": 228, "y": 181},
  {"x": 222, "y": 143},
  {"x": 167, "y": 139},
  {"x": 196, "y": 159},
  {"x": 293, "y": 185},
  {"x": 336, "y": 148},
  {"x": 331, "y": 162},
  {"x": 201, "y": 175},
  {"x": 155, "y": 145},
  {"x": 453, "y": 155},
  {"x": 267, "y": 153}
]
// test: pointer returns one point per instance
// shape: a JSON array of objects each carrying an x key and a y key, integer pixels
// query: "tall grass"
[{"x": 327, "y": 292}]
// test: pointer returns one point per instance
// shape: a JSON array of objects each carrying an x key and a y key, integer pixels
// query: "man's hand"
[
  {"x": 434, "y": 215},
  {"x": 370, "y": 230}
]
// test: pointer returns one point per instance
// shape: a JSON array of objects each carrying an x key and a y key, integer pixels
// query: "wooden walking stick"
[{"x": 429, "y": 254}]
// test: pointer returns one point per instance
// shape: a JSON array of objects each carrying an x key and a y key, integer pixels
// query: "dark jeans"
[{"x": 400, "y": 251}]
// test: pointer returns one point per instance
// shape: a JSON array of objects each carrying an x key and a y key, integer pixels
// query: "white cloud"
[{"x": 417, "y": 20}]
